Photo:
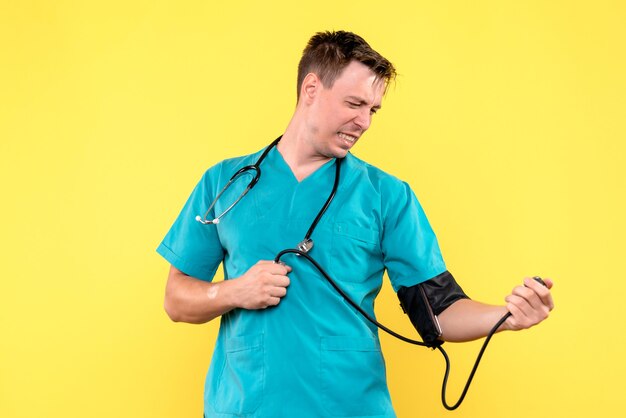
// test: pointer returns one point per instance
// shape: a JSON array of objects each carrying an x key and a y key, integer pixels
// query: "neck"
[{"x": 298, "y": 152}]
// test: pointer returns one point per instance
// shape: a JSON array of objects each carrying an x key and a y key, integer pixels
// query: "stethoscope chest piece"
[{"x": 305, "y": 245}]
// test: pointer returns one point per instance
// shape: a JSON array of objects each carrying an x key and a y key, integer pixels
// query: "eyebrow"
[{"x": 362, "y": 101}]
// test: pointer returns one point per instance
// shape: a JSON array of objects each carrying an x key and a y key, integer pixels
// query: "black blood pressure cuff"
[{"x": 424, "y": 301}]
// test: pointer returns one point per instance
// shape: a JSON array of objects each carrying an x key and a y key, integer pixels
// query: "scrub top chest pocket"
[{"x": 356, "y": 253}]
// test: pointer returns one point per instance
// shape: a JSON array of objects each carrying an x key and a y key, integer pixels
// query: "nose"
[{"x": 363, "y": 119}]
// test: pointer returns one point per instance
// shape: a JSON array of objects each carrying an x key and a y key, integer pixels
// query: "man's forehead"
[
  {"x": 357, "y": 70},
  {"x": 359, "y": 80}
]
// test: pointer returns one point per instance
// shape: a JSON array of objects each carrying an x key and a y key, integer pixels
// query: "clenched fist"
[{"x": 263, "y": 285}]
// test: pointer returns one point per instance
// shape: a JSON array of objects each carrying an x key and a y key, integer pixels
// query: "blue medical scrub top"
[{"x": 313, "y": 355}]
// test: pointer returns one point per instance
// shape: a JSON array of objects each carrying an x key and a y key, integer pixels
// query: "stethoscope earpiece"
[{"x": 203, "y": 222}]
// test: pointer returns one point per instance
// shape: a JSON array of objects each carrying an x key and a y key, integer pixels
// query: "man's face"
[{"x": 339, "y": 115}]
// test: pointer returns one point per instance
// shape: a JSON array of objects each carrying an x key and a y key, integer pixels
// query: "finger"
[
  {"x": 280, "y": 281},
  {"x": 266, "y": 262},
  {"x": 277, "y": 268},
  {"x": 533, "y": 284},
  {"x": 522, "y": 306},
  {"x": 519, "y": 302},
  {"x": 517, "y": 316},
  {"x": 528, "y": 295},
  {"x": 525, "y": 314},
  {"x": 278, "y": 292},
  {"x": 272, "y": 301},
  {"x": 542, "y": 291}
]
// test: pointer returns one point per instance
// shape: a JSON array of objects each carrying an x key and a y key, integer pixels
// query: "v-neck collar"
[{"x": 279, "y": 163}]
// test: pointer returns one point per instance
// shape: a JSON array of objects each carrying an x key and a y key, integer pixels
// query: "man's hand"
[
  {"x": 263, "y": 285},
  {"x": 188, "y": 299},
  {"x": 529, "y": 304}
]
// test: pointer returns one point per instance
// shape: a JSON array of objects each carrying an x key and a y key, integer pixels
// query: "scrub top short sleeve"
[
  {"x": 410, "y": 250},
  {"x": 190, "y": 246}
]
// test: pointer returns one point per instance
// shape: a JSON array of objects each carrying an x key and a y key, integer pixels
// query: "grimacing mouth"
[{"x": 347, "y": 137}]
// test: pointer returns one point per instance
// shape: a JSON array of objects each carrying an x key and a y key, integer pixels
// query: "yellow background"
[{"x": 508, "y": 120}]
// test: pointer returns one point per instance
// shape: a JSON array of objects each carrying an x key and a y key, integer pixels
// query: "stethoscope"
[{"x": 306, "y": 245}]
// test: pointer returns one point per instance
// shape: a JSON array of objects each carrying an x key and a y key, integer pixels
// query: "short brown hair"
[{"x": 328, "y": 53}]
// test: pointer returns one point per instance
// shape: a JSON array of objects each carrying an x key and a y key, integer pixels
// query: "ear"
[{"x": 310, "y": 87}]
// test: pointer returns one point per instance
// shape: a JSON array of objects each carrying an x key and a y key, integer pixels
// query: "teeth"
[{"x": 347, "y": 137}]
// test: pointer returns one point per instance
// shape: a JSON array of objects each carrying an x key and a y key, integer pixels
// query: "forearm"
[
  {"x": 467, "y": 320},
  {"x": 195, "y": 301},
  {"x": 188, "y": 299}
]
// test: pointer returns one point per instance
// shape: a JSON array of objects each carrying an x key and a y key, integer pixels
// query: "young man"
[{"x": 289, "y": 345}]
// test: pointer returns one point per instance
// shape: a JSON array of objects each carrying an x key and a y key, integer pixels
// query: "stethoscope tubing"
[
  {"x": 257, "y": 175},
  {"x": 328, "y": 201},
  {"x": 389, "y": 331},
  {"x": 308, "y": 245}
]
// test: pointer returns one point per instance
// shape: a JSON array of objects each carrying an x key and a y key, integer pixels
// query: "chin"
[{"x": 339, "y": 153}]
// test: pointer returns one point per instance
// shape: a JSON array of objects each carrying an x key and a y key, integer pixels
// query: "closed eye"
[{"x": 356, "y": 103}]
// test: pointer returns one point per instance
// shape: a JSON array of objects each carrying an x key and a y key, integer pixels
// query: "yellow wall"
[{"x": 508, "y": 119}]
